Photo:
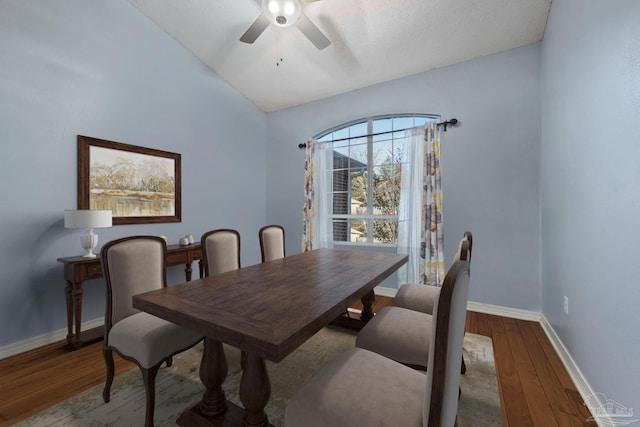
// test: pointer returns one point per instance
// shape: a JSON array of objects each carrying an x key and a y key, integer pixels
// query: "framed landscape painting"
[{"x": 139, "y": 185}]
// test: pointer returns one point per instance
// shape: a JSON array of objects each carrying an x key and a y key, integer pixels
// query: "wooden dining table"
[{"x": 266, "y": 310}]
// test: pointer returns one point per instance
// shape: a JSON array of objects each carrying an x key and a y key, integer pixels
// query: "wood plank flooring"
[{"x": 535, "y": 388}]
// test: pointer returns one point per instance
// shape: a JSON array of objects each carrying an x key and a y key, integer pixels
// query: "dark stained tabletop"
[{"x": 272, "y": 308}]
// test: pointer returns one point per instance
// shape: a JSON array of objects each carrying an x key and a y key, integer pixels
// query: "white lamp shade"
[
  {"x": 282, "y": 13},
  {"x": 87, "y": 218}
]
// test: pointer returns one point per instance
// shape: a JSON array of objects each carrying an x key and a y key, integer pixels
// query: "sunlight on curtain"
[
  {"x": 317, "y": 229},
  {"x": 420, "y": 227}
]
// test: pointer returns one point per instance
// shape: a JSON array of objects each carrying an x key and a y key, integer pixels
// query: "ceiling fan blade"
[
  {"x": 255, "y": 29},
  {"x": 312, "y": 32}
]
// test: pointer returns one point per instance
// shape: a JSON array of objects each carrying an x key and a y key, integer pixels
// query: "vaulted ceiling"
[{"x": 372, "y": 41}]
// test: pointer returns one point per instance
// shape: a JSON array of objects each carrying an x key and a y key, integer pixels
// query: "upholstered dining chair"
[
  {"x": 220, "y": 251},
  {"x": 394, "y": 395},
  {"x": 401, "y": 334},
  {"x": 421, "y": 298},
  {"x": 133, "y": 265},
  {"x": 271, "y": 242},
  {"x": 272, "y": 245}
]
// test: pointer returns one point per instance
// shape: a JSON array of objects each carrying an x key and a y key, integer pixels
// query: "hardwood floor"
[
  {"x": 535, "y": 388},
  {"x": 38, "y": 379}
]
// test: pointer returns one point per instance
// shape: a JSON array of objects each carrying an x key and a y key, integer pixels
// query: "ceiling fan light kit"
[
  {"x": 282, "y": 13},
  {"x": 285, "y": 13}
]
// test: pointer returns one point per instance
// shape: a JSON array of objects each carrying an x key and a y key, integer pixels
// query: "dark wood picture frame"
[{"x": 150, "y": 157}]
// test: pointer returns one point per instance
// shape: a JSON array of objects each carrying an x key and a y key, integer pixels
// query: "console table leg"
[
  {"x": 76, "y": 304},
  {"x": 255, "y": 390},
  {"x": 213, "y": 371},
  {"x": 187, "y": 271},
  {"x": 367, "y": 303},
  {"x": 67, "y": 292}
]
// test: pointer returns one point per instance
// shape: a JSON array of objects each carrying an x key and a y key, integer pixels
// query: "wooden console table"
[{"x": 78, "y": 269}]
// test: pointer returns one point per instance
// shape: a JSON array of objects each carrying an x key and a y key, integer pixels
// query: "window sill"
[{"x": 387, "y": 246}]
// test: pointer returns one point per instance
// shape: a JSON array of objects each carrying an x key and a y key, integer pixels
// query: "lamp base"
[{"x": 89, "y": 241}]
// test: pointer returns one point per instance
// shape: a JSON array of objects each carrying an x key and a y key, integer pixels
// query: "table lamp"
[{"x": 87, "y": 219}]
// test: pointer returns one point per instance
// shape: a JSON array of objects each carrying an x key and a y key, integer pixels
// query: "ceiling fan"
[{"x": 285, "y": 13}]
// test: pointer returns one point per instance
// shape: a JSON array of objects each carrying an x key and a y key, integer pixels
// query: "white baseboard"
[
  {"x": 385, "y": 292},
  {"x": 479, "y": 307},
  {"x": 576, "y": 375},
  {"x": 44, "y": 339},
  {"x": 514, "y": 313},
  {"x": 567, "y": 360}
]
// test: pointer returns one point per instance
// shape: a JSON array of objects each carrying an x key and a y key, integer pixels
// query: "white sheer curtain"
[
  {"x": 410, "y": 208},
  {"x": 318, "y": 208}
]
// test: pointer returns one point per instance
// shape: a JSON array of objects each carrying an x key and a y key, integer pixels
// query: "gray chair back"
[
  {"x": 445, "y": 350},
  {"x": 464, "y": 253},
  {"x": 271, "y": 242},
  {"x": 131, "y": 265},
  {"x": 220, "y": 251}
]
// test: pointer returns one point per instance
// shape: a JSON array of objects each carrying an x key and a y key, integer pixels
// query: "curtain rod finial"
[
  {"x": 302, "y": 145},
  {"x": 450, "y": 122}
]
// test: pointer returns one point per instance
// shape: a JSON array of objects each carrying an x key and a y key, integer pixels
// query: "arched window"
[{"x": 367, "y": 160}]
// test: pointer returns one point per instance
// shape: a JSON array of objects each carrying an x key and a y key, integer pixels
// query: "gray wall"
[
  {"x": 590, "y": 178},
  {"x": 490, "y": 163},
  {"x": 101, "y": 68}
]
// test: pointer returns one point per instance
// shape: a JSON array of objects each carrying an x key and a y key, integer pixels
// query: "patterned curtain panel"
[
  {"x": 308, "y": 209},
  {"x": 317, "y": 230},
  {"x": 432, "y": 269},
  {"x": 420, "y": 211}
]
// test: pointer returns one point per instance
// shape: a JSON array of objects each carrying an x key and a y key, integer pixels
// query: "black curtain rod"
[{"x": 451, "y": 122}]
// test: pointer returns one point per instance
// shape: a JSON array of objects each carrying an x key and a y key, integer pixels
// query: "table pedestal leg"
[
  {"x": 213, "y": 371},
  {"x": 255, "y": 390},
  {"x": 367, "y": 303}
]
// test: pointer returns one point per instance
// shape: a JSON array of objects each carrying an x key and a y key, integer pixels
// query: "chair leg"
[
  {"x": 243, "y": 358},
  {"x": 149, "y": 379},
  {"x": 463, "y": 367},
  {"x": 108, "y": 361},
  {"x": 170, "y": 362}
]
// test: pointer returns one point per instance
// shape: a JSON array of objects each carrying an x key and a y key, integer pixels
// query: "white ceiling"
[{"x": 372, "y": 41}]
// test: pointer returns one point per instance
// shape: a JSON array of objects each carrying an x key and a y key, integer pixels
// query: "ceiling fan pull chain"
[{"x": 279, "y": 55}]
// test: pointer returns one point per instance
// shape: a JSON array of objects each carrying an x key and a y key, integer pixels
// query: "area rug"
[{"x": 179, "y": 386}]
